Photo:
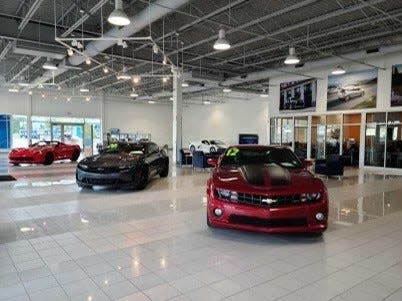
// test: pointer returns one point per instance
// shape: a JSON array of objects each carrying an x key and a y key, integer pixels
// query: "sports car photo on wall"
[
  {"x": 129, "y": 165},
  {"x": 265, "y": 189}
]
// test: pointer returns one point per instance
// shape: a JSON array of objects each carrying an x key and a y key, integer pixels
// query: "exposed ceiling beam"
[
  {"x": 26, "y": 67},
  {"x": 6, "y": 49},
  {"x": 32, "y": 10},
  {"x": 84, "y": 18}
]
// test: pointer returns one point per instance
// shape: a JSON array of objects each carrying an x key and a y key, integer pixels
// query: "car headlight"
[
  {"x": 309, "y": 197},
  {"x": 226, "y": 194},
  {"x": 83, "y": 166}
]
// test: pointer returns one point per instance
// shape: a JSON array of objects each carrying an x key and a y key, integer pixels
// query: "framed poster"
[
  {"x": 396, "y": 86},
  {"x": 298, "y": 95},
  {"x": 352, "y": 91}
]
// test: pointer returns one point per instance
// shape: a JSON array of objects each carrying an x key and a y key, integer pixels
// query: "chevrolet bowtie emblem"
[{"x": 268, "y": 201}]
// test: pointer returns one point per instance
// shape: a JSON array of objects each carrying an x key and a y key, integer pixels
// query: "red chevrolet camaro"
[
  {"x": 44, "y": 152},
  {"x": 265, "y": 189}
]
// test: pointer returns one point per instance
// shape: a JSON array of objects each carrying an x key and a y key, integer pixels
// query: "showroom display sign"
[
  {"x": 352, "y": 91},
  {"x": 298, "y": 95},
  {"x": 396, "y": 86}
]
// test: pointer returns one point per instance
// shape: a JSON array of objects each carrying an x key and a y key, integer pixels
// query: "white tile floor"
[{"x": 60, "y": 243}]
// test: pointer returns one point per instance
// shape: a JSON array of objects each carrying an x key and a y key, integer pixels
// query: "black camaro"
[{"x": 123, "y": 164}]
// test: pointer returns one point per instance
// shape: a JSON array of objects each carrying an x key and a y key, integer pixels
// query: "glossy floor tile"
[{"x": 58, "y": 242}]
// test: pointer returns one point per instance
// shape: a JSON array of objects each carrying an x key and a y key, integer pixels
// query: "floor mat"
[{"x": 5, "y": 178}]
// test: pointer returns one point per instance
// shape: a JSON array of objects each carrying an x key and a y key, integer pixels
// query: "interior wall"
[
  {"x": 225, "y": 121},
  {"x": 383, "y": 86}
]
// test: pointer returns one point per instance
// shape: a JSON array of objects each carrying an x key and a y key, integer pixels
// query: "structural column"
[
  {"x": 177, "y": 114},
  {"x": 29, "y": 118},
  {"x": 102, "y": 107},
  {"x": 309, "y": 125}
]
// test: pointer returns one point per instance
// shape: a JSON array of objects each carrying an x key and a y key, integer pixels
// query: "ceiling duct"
[
  {"x": 195, "y": 74},
  {"x": 39, "y": 51}
]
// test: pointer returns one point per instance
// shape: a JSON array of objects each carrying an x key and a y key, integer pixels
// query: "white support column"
[
  {"x": 29, "y": 118},
  {"x": 177, "y": 114},
  {"x": 103, "y": 123},
  {"x": 309, "y": 122},
  {"x": 362, "y": 146}
]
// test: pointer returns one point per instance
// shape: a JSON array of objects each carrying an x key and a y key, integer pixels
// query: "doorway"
[{"x": 69, "y": 133}]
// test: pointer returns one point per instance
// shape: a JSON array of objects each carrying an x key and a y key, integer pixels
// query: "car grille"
[
  {"x": 267, "y": 223},
  {"x": 100, "y": 182},
  {"x": 103, "y": 169},
  {"x": 268, "y": 201}
]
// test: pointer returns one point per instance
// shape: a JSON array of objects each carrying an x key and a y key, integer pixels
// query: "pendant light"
[
  {"x": 292, "y": 59},
  {"x": 338, "y": 70},
  {"x": 227, "y": 90},
  {"x": 221, "y": 43},
  {"x": 264, "y": 94},
  {"x": 118, "y": 17}
]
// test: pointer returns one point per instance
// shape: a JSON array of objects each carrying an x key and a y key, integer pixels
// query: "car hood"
[
  {"x": 264, "y": 178},
  {"x": 28, "y": 149},
  {"x": 111, "y": 160}
]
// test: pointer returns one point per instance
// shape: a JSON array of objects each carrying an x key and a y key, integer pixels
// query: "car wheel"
[
  {"x": 192, "y": 148},
  {"x": 75, "y": 155},
  {"x": 143, "y": 181},
  {"x": 209, "y": 222},
  {"x": 212, "y": 150},
  {"x": 165, "y": 171},
  {"x": 16, "y": 164},
  {"x": 85, "y": 186},
  {"x": 49, "y": 158}
]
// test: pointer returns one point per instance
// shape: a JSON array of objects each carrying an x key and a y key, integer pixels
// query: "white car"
[
  {"x": 349, "y": 92},
  {"x": 207, "y": 146}
]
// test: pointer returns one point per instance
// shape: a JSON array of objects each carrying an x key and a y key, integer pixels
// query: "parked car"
[
  {"x": 349, "y": 92},
  {"x": 296, "y": 103},
  {"x": 207, "y": 146},
  {"x": 265, "y": 189},
  {"x": 44, "y": 152},
  {"x": 123, "y": 164}
]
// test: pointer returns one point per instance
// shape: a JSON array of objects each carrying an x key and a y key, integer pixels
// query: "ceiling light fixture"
[
  {"x": 292, "y": 59},
  {"x": 23, "y": 84},
  {"x": 88, "y": 61},
  {"x": 88, "y": 98},
  {"x": 105, "y": 70},
  {"x": 30, "y": 92},
  {"x": 70, "y": 52},
  {"x": 171, "y": 98},
  {"x": 164, "y": 60},
  {"x": 338, "y": 70},
  {"x": 43, "y": 95},
  {"x": 206, "y": 102},
  {"x": 123, "y": 74},
  {"x": 118, "y": 17},
  {"x": 184, "y": 84},
  {"x": 136, "y": 79},
  {"x": 227, "y": 90},
  {"x": 68, "y": 99},
  {"x": 221, "y": 43},
  {"x": 151, "y": 102},
  {"x": 84, "y": 90},
  {"x": 13, "y": 90},
  {"x": 49, "y": 65},
  {"x": 155, "y": 49},
  {"x": 264, "y": 94},
  {"x": 133, "y": 94},
  {"x": 165, "y": 79}
]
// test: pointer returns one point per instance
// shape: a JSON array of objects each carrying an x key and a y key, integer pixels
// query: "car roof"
[{"x": 258, "y": 146}]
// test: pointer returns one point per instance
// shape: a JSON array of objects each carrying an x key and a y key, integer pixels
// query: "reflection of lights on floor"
[
  {"x": 388, "y": 205},
  {"x": 163, "y": 263},
  {"x": 27, "y": 229},
  {"x": 84, "y": 220}
]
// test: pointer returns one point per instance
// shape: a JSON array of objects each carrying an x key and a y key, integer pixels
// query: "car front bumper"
[
  {"x": 123, "y": 179},
  {"x": 289, "y": 219}
]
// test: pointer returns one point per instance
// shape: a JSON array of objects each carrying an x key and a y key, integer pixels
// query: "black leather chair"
[
  {"x": 332, "y": 166},
  {"x": 185, "y": 157}
]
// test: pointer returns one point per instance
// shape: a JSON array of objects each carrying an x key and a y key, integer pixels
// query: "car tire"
[
  {"x": 143, "y": 181},
  {"x": 165, "y": 171},
  {"x": 75, "y": 155},
  {"x": 16, "y": 164},
  {"x": 84, "y": 186},
  {"x": 212, "y": 150},
  {"x": 49, "y": 158},
  {"x": 209, "y": 222},
  {"x": 192, "y": 148}
]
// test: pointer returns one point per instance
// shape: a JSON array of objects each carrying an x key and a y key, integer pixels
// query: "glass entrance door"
[
  {"x": 68, "y": 133},
  {"x": 56, "y": 132}
]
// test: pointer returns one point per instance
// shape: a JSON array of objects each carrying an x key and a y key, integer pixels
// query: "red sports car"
[
  {"x": 44, "y": 152},
  {"x": 265, "y": 189}
]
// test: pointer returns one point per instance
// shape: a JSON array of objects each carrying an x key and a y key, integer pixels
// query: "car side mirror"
[
  {"x": 212, "y": 161},
  {"x": 307, "y": 163}
]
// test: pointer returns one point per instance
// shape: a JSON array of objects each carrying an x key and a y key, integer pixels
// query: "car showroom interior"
[{"x": 201, "y": 150}]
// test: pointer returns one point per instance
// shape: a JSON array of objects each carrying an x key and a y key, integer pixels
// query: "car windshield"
[
  {"x": 217, "y": 142},
  {"x": 267, "y": 156},
  {"x": 41, "y": 143},
  {"x": 124, "y": 148}
]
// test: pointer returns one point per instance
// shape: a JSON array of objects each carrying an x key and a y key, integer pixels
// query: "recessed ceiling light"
[
  {"x": 338, "y": 70},
  {"x": 292, "y": 59},
  {"x": 221, "y": 43},
  {"x": 184, "y": 84},
  {"x": 13, "y": 90},
  {"x": 84, "y": 90},
  {"x": 118, "y": 17},
  {"x": 227, "y": 90}
]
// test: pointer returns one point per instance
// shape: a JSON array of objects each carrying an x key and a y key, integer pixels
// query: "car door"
[{"x": 153, "y": 159}]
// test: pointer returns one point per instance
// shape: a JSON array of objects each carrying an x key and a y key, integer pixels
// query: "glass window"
[
  {"x": 19, "y": 131},
  {"x": 40, "y": 129},
  {"x": 301, "y": 137},
  {"x": 318, "y": 137},
  {"x": 5, "y": 132},
  {"x": 333, "y": 133},
  {"x": 275, "y": 131},
  {"x": 394, "y": 140},
  {"x": 287, "y": 131},
  {"x": 375, "y": 139}
]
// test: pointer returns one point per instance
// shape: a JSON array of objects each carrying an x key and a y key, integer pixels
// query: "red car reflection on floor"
[
  {"x": 44, "y": 152},
  {"x": 265, "y": 189}
]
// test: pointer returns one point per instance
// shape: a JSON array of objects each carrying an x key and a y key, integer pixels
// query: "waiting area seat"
[
  {"x": 200, "y": 159},
  {"x": 331, "y": 166}
]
